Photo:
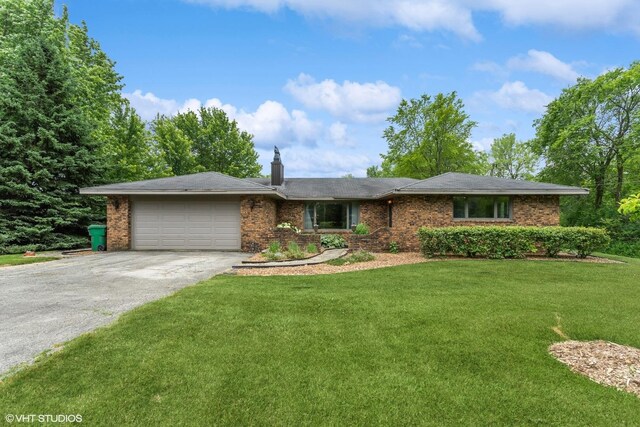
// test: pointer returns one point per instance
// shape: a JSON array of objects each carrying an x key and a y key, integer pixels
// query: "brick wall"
[
  {"x": 409, "y": 213},
  {"x": 291, "y": 211},
  {"x": 536, "y": 210},
  {"x": 374, "y": 213},
  {"x": 258, "y": 215},
  {"x": 118, "y": 223},
  {"x": 412, "y": 212}
]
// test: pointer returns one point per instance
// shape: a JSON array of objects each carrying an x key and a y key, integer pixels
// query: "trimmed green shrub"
[
  {"x": 510, "y": 242},
  {"x": 333, "y": 241},
  {"x": 586, "y": 240},
  {"x": 361, "y": 228},
  {"x": 312, "y": 248},
  {"x": 394, "y": 247}
]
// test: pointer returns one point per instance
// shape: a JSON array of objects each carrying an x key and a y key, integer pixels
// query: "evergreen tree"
[{"x": 46, "y": 150}]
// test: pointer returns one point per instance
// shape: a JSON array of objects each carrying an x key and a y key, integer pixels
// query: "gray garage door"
[{"x": 185, "y": 223}]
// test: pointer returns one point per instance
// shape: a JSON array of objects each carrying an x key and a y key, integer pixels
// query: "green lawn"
[
  {"x": 454, "y": 342},
  {"x": 18, "y": 259}
]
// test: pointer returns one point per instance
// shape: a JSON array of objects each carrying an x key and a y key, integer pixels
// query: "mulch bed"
[
  {"x": 260, "y": 258},
  {"x": 388, "y": 260},
  {"x": 604, "y": 362},
  {"x": 382, "y": 260}
]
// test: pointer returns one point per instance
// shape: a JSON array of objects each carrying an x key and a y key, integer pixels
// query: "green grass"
[
  {"x": 19, "y": 259},
  {"x": 452, "y": 342}
]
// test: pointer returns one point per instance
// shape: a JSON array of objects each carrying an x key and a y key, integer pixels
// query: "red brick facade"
[
  {"x": 413, "y": 212},
  {"x": 118, "y": 223},
  {"x": 408, "y": 213},
  {"x": 259, "y": 216}
]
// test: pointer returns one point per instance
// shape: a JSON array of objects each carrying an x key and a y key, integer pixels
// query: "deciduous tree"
[
  {"x": 129, "y": 150},
  {"x": 429, "y": 136},
  {"x": 589, "y": 129},
  {"x": 206, "y": 141},
  {"x": 512, "y": 159}
]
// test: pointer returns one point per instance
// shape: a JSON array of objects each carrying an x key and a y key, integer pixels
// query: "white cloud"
[
  {"x": 271, "y": 123},
  {"x": 407, "y": 40},
  {"x": 571, "y": 14},
  {"x": 353, "y": 101},
  {"x": 517, "y": 96},
  {"x": 492, "y": 68},
  {"x": 302, "y": 161},
  {"x": 456, "y": 15},
  {"x": 148, "y": 105},
  {"x": 338, "y": 135},
  {"x": 482, "y": 144},
  {"x": 488, "y": 67},
  {"x": 417, "y": 15},
  {"x": 537, "y": 61},
  {"x": 544, "y": 63}
]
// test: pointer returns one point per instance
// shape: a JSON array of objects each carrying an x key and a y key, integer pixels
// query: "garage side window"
[{"x": 482, "y": 207}]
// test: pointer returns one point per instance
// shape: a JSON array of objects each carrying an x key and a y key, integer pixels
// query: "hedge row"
[{"x": 510, "y": 242}]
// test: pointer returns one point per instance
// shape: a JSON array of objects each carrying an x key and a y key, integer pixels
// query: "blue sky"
[{"x": 317, "y": 78}]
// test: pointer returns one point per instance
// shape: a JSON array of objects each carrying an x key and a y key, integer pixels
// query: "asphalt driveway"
[{"x": 45, "y": 304}]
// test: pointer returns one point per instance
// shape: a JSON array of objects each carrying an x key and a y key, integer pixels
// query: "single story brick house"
[{"x": 213, "y": 211}]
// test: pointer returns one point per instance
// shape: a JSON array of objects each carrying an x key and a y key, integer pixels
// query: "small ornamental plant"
[
  {"x": 333, "y": 241},
  {"x": 355, "y": 257},
  {"x": 361, "y": 228},
  {"x": 294, "y": 251}
]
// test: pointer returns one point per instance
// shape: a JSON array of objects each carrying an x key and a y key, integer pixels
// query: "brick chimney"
[{"x": 277, "y": 168}]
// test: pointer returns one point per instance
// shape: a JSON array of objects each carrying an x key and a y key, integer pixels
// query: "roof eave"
[
  {"x": 110, "y": 192},
  {"x": 576, "y": 192},
  {"x": 319, "y": 199}
]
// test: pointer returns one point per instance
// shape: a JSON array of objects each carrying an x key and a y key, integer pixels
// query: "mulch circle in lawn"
[{"x": 604, "y": 362}]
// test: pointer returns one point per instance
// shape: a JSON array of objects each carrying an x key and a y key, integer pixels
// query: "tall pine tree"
[{"x": 46, "y": 152}]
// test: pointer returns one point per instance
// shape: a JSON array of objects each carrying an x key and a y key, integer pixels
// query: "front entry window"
[{"x": 331, "y": 215}]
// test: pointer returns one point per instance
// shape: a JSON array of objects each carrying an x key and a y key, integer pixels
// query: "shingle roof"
[
  {"x": 337, "y": 188},
  {"x": 206, "y": 182},
  {"x": 462, "y": 183},
  {"x": 333, "y": 188}
]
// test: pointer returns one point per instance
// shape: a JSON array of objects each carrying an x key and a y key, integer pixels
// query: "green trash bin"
[{"x": 98, "y": 235}]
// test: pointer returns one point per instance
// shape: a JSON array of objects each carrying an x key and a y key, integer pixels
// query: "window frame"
[
  {"x": 350, "y": 207},
  {"x": 495, "y": 217}
]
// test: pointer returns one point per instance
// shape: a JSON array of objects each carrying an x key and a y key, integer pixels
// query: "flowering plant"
[{"x": 290, "y": 227}]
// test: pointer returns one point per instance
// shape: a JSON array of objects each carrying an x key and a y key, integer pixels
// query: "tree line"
[{"x": 64, "y": 124}]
